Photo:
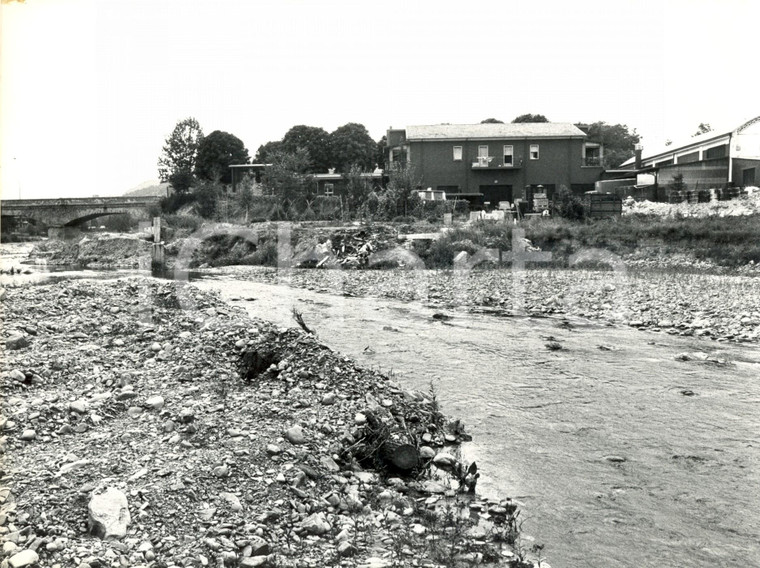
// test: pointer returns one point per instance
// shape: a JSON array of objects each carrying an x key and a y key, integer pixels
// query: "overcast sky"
[{"x": 91, "y": 89}]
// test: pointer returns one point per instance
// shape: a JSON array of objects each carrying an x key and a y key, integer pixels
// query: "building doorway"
[
  {"x": 492, "y": 194},
  {"x": 748, "y": 177}
]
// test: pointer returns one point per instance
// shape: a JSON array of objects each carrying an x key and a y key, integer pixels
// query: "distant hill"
[{"x": 148, "y": 188}]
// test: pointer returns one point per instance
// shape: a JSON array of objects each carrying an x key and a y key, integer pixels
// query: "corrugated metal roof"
[{"x": 488, "y": 130}]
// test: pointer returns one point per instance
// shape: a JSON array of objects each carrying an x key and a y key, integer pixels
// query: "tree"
[
  {"x": 266, "y": 151},
  {"x": 216, "y": 153},
  {"x": 352, "y": 145},
  {"x": 495, "y": 121},
  {"x": 358, "y": 188},
  {"x": 618, "y": 143},
  {"x": 207, "y": 195},
  {"x": 382, "y": 149},
  {"x": 703, "y": 128},
  {"x": 178, "y": 157},
  {"x": 530, "y": 118},
  {"x": 313, "y": 139},
  {"x": 245, "y": 197},
  {"x": 400, "y": 197},
  {"x": 286, "y": 177}
]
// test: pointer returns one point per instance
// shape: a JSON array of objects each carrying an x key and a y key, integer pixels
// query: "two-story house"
[{"x": 489, "y": 163}]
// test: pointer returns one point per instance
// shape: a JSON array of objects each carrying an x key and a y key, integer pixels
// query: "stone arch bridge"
[{"x": 64, "y": 216}]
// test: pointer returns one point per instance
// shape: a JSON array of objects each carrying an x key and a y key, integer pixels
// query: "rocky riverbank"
[
  {"x": 719, "y": 307},
  {"x": 149, "y": 425}
]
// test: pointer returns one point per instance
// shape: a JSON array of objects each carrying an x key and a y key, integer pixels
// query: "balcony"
[
  {"x": 491, "y": 163},
  {"x": 592, "y": 162}
]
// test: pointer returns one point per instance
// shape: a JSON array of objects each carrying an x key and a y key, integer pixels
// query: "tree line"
[{"x": 192, "y": 160}]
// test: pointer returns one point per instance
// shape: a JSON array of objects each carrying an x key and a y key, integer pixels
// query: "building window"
[
  {"x": 508, "y": 155},
  {"x": 329, "y": 189},
  {"x": 482, "y": 151},
  {"x": 457, "y": 153},
  {"x": 534, "y": 151}
]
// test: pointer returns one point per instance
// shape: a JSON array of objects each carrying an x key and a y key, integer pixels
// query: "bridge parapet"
[{"x": 74, "y": 211}]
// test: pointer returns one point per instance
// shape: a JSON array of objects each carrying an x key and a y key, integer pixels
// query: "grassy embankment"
[{"x": 723, "y": 241}]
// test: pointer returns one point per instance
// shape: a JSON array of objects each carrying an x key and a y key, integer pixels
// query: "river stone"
[
  {"x": 254, "y": 561},
  {"x": 232, "y": 500},
  {"x": 345, "y": 548},
  {"x": 444, "y": 460},
  {"x": 17, "y": 376},
  {"x": 109, "y": 514},
  {"x": 315, "y": 524},
  {"x": 155, "y": 402},
  {"x": 329, "y": 464},
  {"x": 426, "y": 452},
  {"x": 16, "y": 341},
  {"x": 28, "y": 435},
  {"x": 615, "y": 459},
  {"x": 24, "y": 558},
  {"x": 78, "y": 406},
  {"x": 295, "y": 435},
  {"x": 259, "y": 547}
]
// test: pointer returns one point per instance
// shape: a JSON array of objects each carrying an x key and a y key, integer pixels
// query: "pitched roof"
[{"x": 490, "y": 130}]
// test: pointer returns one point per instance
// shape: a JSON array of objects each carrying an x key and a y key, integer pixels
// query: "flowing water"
[{"x": 621, "y": 455}]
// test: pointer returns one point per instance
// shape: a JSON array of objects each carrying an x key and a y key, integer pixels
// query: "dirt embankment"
[
  {"x": 98, "y": 250},
  {"x": 195, "y": 436}
]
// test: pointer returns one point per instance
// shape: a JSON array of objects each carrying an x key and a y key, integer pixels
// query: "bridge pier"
[{"x": 64, "y": 233}]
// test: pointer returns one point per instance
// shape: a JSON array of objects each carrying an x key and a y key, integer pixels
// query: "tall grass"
[{"x": 725, "y": 241}]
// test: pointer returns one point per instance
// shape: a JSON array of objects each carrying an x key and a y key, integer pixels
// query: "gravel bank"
[
  {"x": 130, "y": 437},
  {"x": 720, "y": 307}
]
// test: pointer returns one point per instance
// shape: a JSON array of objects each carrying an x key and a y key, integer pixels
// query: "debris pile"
[
  {"x": 150, "y": 425},
  {"x": 747, "y": 204},
  {"x": 346, "y": 248}
]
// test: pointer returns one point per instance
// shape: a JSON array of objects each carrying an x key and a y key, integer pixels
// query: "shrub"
[
  {"x": 567, "y": 205},
  {"x": 121, "y": 223},
  {"x": 175, "y": 201},
  {"x": 206, "y": 198}
]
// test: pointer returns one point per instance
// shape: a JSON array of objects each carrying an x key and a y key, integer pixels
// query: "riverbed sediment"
[
  {"x": 714, "y": 306},
  {"x": 134, "y": 387}
]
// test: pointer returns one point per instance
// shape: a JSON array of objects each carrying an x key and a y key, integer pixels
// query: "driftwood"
[
  {"x": 399, "y": 452},
  {"x": 391, "y": 446}
]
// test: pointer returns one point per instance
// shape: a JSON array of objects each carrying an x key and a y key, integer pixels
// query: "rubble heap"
[
  {"x": 150, "y": 425},
  {"x": 346, "y": 248}
]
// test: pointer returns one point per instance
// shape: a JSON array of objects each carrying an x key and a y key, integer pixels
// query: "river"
[{"x": 621, "y": 454}]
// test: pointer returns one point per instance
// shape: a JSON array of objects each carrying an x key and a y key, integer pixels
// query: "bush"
[
  {"x": 175, "y": 201},
  {"x": 207, "y": 196},
  {"x": 121, "y": 223},
  {"x": 567, "y": 205},
  {"x": 183, "y": 222}
]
